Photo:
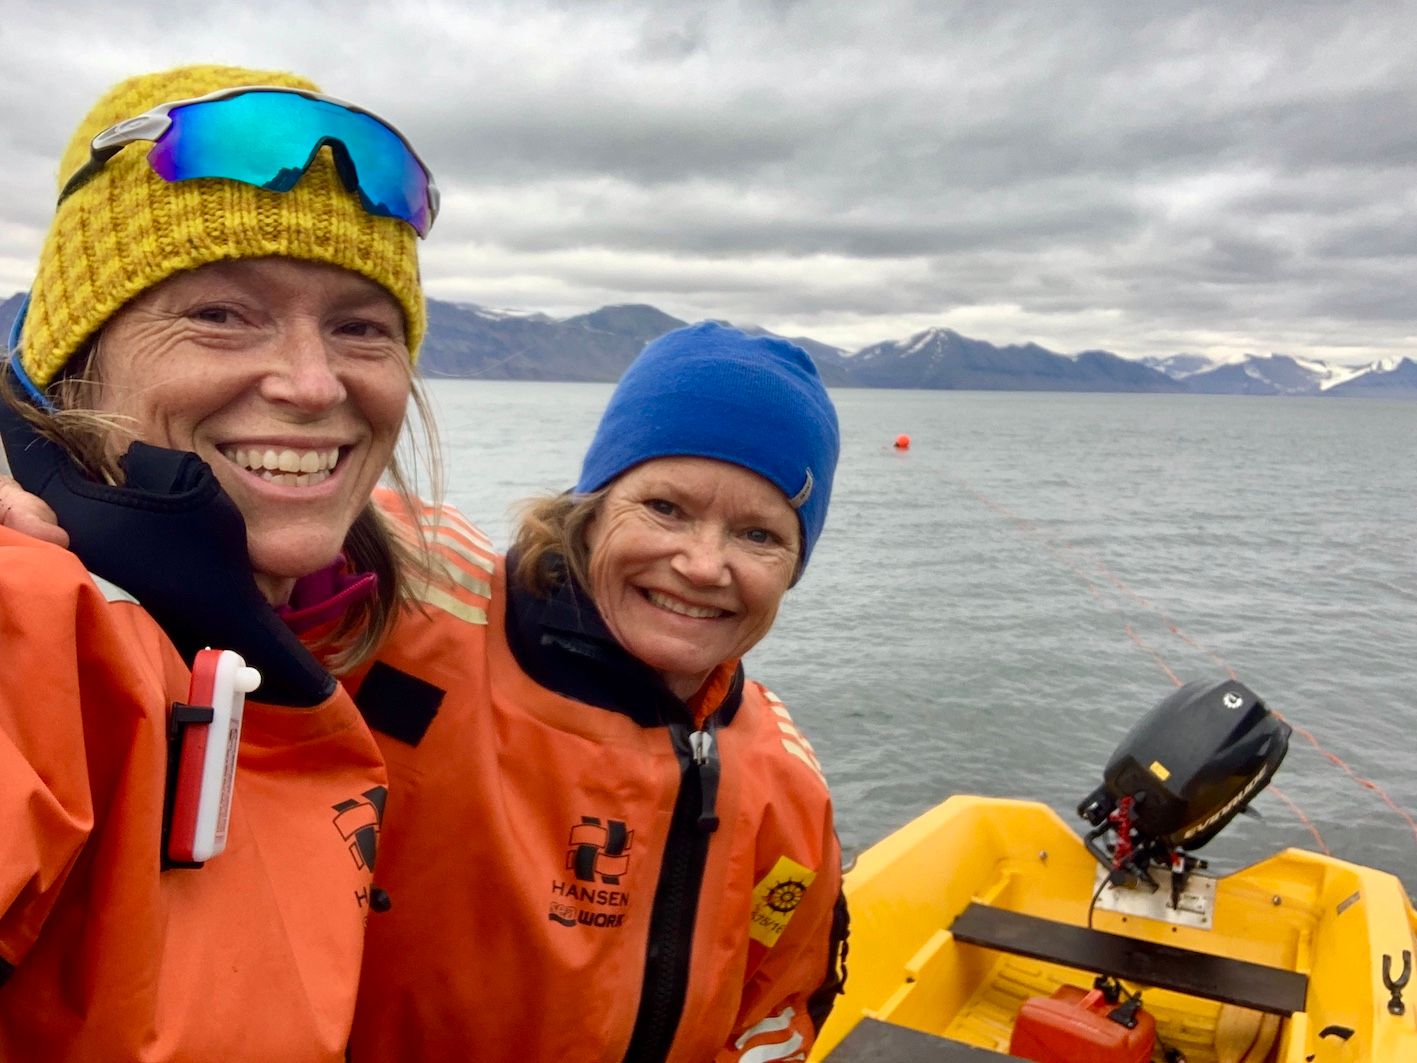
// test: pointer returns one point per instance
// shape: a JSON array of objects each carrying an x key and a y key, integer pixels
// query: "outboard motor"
[{"x": 1183, "y": 772}]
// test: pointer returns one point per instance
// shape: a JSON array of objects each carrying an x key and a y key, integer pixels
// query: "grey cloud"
[
  {"x": 1368, "y": 299},
  {"x": 807, "y": 228},
  {"x": 1197, "y": 170},
  {"x": 1394, "y": 238}
]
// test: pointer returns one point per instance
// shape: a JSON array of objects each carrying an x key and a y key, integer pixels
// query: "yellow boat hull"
[{"x": 1297, "y": 911}]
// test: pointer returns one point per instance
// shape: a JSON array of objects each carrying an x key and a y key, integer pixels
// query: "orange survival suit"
[
  {"x": 577, "y": 869},
  {"x": 104, "y": 955}
]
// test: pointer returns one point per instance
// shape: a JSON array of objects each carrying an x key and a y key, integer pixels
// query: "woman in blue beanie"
[{"x": 602, "y": 842}]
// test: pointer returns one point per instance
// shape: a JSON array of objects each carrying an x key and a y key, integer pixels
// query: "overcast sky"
[{"x": 1148, "y": 178}]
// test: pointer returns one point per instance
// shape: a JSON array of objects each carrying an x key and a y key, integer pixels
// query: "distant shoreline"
[{"x": 467, "y": 342}]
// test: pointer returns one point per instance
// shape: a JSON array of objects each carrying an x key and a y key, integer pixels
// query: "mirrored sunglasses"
[{"x": 268, "y": 136}]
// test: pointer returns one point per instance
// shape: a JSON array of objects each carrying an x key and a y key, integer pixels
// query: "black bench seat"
[{"x": 1248, "y": 985}]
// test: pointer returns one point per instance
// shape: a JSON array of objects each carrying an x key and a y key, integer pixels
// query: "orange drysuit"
[
  {"x": 549, "y": 858},
  {"x": 105, "y": 956}
]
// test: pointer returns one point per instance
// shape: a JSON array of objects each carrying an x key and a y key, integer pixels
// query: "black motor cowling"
[{"x": 1190, "y": 765}]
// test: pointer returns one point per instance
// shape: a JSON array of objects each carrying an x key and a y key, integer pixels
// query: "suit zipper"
[{"x": 676, "y": 899}]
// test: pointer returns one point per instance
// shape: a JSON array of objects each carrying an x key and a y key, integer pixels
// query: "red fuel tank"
[{"x": 1072, "y": 1026}]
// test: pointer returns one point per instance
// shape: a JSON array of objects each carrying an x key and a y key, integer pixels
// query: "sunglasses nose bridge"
[{"x": 344, "y": 162}]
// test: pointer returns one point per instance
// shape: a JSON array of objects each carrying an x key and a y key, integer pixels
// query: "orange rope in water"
[
  {"x": 1299, "y": 812},
  {"x": 1338, "y": 761},
  {"x": 1031, "y": 529},
  {"x": 1160, "y": 661}
]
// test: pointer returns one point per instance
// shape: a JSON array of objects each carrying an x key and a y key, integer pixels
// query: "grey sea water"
[{"x": 990, "y": 610}]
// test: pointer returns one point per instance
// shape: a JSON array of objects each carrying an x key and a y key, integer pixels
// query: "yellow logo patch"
[{"x": 776, "y": 897}]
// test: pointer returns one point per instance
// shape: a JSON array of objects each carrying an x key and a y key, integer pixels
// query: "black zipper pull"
[{"x": 704, "y": 750}]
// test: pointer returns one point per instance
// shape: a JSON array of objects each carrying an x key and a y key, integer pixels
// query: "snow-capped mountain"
[
  {"x": 942, "y": 358},
  {"x": 1180, "y": 366},
  {"x": 1273, "y": 374},
  {"x": 1389, "y": 377}
]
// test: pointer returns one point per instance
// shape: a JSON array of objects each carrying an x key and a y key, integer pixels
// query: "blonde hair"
[{"x": 550, "y": 541}]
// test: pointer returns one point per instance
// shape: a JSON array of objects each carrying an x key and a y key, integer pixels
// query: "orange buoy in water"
[{"x": 902, "y": 442}]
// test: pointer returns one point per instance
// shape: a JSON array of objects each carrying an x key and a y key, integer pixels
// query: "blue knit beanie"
[{"x": 708, "y": 391}]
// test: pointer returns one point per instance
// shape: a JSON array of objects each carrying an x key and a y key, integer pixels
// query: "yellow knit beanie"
[{"x": 127, "y": 229}]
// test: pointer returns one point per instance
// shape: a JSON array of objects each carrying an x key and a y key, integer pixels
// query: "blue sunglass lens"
[
  {"x": 269, "y": 139},
  {"x": 389, "y": 179}
]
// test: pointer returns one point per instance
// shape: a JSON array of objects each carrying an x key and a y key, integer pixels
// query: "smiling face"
[
  {"x": 289, "y": 378},
  {"x": 689, "y": 559}
]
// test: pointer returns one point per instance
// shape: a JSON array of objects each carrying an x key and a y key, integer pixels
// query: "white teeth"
[
  {"x": 673, "y": 605},
  {"x": 289, "y": 468}
]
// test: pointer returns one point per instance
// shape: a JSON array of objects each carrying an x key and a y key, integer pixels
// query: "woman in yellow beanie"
[{"x": 206, "y": 386}]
